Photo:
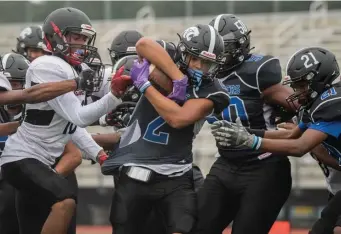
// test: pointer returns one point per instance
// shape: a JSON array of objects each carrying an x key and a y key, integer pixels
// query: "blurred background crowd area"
[{"x": 279, "y": 28}]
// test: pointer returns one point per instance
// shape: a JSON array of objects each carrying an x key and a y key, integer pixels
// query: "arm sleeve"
[
  {"x": 219, "y": 96},
  {"x": 83, "y": 140},
  {"x": 331, "y": 128},
  {"x": 269, "y": 74},
  {"x": 69, "y": 107}
]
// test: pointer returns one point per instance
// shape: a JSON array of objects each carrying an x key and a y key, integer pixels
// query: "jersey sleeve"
[
  {"x": 83, "y": 140},
  {"x": 269, "y": 73},
  {"x": 330, "y": 128},
  {"x": 216, "y": 92},
  {"x": 5, "y": 85},
  {"x": 327, "y": 107},
  {"x": 303, "y": 126},
  {"x": 219, "y": 97},
  {"x": 70, "y": 108}
]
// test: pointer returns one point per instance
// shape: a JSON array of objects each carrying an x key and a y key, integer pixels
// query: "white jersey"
[
  {"x": 333, "y": 178},
  {"x": 48, "y": 126}
]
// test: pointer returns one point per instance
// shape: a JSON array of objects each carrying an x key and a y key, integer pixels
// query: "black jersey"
[
  {"x": 245, "y": 85},
  {"x": 150, "y": 140}
]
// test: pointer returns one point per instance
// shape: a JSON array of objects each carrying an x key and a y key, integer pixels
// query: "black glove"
[{"x": 87, "y": 80}]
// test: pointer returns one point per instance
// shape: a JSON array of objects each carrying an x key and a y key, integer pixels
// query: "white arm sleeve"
[
  {"x": 69, "y": 107},
  {"x": 50, "y": 68},
  {"x": 83, "y": 140}
]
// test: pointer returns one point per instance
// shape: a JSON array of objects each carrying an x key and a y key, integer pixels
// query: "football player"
[
  {"x": 154, "y": 158},
  {"x": 123, "y": 44},
  {"x": 30, "y": 152},
  {"x": 30, "y": 44},
  {"x": 242, "y": 183},
  {"x": 331, "y": 170},
  {"x": 311, "y": 72}
]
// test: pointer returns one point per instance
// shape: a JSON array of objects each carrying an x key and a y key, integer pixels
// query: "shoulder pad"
[
  {"x": 260, "y": 71},
  {"x": 327, "y": 107},
  {"x": 215, "y": 91}
]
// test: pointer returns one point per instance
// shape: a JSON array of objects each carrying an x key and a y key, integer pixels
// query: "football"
[{"x": 160, "y": 80}]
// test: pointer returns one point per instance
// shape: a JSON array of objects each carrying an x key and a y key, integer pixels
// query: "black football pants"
[
  {"x": 173, "y": 197},
  {"x": 330, "y": 216},
  {"x": 249, "y": 194},
  {"x": 37, "y": 189},
  {"x": 8, "y": 215}
]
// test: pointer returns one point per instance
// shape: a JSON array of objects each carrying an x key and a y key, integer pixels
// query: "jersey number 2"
[{"x": 152, "y": 133}]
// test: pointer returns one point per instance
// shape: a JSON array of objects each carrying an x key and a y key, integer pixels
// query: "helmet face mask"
[{"x": 95, "y": 63}]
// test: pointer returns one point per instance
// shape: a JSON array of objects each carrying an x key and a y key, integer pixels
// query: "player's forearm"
[
  {"x": 291, "y": 147},
  {"x": 87, "y": 115},
  {"x": 8, "y": 128},
  {"x": 107, "y": 141},
  {"x": 47, "y": 91},
  {"x": 278, "y": 134},
  {"x": 322, "y": 155},
  {"x": 169, "y": 110},
  {"x": 69, "y": 162},
  {"x": 83, "y": 140},
  {"x": 155, "y": 54}
]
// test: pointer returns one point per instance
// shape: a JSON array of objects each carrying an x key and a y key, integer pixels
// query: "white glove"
[{"x": 235, "y": 135}]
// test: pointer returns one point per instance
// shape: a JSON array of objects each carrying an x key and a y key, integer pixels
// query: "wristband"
[{"x": 145, "y": 86}]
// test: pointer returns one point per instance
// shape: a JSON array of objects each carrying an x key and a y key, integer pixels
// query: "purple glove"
[
  {"x": 139, "y": 74},
  {"x": 179, "y": 90}
]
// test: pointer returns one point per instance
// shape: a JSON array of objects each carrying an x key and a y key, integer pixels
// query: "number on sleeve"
[
  {"x": 70, "y": 128},
  {"x": 153, "y": 135}
]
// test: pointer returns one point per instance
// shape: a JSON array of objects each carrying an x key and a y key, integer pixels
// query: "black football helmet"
[
  {"x": 59, "y": 24},
  {"x": 30, "y": 37},
  {"x": 123, "y": 45},
  {"x": 313, "y": 67},
  {"x": 171, "y": 49},
  {"x": 14, "y": 67},
  {"x": 204, "y": 42},
  {"x": 236, "y": 38}
]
